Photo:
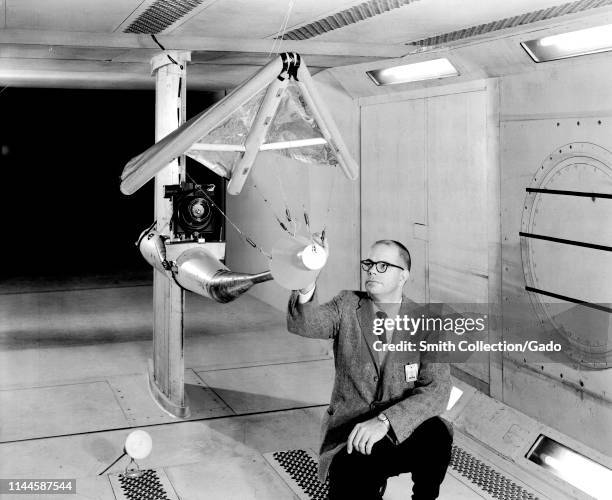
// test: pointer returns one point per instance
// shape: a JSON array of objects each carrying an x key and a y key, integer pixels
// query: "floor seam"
[
  {"x": 237, "y": 415},
  {"x": 196, "y": 369}
]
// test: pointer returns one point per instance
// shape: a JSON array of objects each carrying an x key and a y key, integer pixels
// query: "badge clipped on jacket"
[{"x": 412, "y": 372}]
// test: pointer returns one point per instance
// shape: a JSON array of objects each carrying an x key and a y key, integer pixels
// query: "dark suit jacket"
[{"x": 362, "y": 387}]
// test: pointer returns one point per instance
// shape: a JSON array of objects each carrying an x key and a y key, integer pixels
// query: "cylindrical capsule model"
[{"x": 198, "y": 270}]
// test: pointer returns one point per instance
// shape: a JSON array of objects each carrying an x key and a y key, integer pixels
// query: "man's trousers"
[{"x": 425, "y": 453}]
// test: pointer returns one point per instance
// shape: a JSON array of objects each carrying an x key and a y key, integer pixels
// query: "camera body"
[{"x": 196, "y": 211}]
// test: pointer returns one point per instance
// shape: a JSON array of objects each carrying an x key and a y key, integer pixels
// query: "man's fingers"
[
  {"x": 357, "y": 439},
  {"x": 349, "y": 441},
  {"x": 307, "y": 289},
  {"x": 360, "y": 440},
  {"x": 369, "y": 445}
]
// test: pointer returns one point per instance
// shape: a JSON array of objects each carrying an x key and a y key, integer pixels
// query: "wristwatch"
[{"x": 383, "y": 418}]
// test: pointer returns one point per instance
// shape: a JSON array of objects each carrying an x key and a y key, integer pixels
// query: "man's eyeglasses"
[{"x": 381, "y": 265}]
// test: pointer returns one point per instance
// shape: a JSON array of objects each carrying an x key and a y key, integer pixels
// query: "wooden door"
[{"x": 393, "y": 189}]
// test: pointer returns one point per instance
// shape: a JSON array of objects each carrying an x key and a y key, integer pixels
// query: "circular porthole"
[{"x": 566, "y": 249}]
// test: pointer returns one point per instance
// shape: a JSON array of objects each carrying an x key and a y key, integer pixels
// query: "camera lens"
[{"x": 195, "y": 213}]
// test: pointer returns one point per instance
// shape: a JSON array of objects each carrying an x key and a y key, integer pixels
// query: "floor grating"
[
  {"x": 299, "y": 470},
  {"x": 486, "y": 478},
  {"x": 151, "y": 485}
]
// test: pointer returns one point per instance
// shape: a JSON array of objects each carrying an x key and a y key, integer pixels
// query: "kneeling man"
[{"x": 383, "y": 418}]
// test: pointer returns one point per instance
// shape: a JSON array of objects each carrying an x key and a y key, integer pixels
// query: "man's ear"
[{"x": 406, "y": 275}]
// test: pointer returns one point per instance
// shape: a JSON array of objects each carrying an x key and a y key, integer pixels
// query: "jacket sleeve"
[
  {"x": 428, "y": 399},
  {"x": 314, "y": 320}
]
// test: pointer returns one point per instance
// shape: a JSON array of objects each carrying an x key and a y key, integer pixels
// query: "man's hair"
[{"x": 401, "y": 249}]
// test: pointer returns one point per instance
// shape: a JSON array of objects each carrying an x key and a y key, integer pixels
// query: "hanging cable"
[
  {"x": 278, "y": 39},
  {"x": 306, "y": 218},
  {"x": 162, "y": 47},
  {"x": 285, "y": 200},
  {"x": 269, "y": 205},
  {"x": 331, "y": 192}
]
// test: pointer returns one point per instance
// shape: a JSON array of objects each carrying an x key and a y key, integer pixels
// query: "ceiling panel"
[
  {"x": 47, "y": 57},
  {"x": 256, "y": 18},
  {"x": 68, "y": 15},
  {"x": 427, "y": 18}
]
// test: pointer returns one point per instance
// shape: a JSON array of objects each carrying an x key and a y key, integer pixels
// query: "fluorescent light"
[
  {"x": 426, "y": 70},
  {"x": 299, "y": 143},
  {"x": 574, "y": 468},
  {"x": 455, "y": 394},
  {"x": 571, "y": 44}
]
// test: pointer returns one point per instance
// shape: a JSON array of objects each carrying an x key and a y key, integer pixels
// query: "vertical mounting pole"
[{"x": 167, "y": 369}]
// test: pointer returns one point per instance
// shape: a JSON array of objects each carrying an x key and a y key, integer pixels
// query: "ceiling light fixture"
[
  {"x": 571, "y": 44},
  {"x": 426, "y": 70}
]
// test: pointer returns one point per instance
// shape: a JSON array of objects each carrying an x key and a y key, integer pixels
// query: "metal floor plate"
[
  {"x": 152, "y": 485},
  {"x": 298, "y": 468},
  {"x": 486, "y": 478}
]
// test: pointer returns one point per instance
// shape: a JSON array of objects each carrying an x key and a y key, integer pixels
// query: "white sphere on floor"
[{"x": 138, "y": 444}]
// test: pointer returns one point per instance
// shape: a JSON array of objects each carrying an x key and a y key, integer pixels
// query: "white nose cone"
[
  {"x": 296, "y": 261},
  {"x": 314, "y": 257},
  {"x": 138, "y": 444}
]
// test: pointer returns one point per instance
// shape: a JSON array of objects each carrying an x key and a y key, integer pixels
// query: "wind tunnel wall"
[{"x": 458, "y": 155}]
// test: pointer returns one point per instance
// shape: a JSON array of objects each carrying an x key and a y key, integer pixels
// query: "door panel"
[{"x": 393, "y": 192}]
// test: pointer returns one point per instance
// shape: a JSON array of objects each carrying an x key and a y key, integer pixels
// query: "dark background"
[{"x": 61, "y": 155}]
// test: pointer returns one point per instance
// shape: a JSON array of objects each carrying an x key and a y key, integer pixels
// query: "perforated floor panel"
[
  {"x": 299, "y": 470},
  {"x": 486, "y": 478},
  {"x": 152, "y": 485}
]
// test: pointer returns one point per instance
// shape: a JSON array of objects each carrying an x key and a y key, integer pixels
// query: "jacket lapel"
[
  {"x": 407, "y": 309},
  {"x": 365, "y": 315}
]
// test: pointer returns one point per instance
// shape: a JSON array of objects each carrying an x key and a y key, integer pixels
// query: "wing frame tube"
[
  {"x": 142, "y": 168},
  {"x": 326, "y": 123},
  {"x": 257, "y": 134}
]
